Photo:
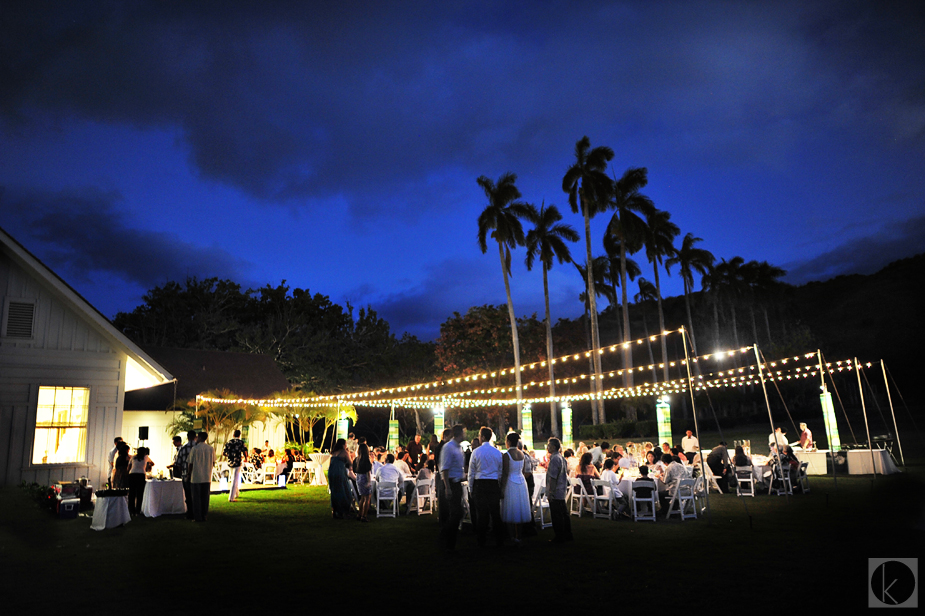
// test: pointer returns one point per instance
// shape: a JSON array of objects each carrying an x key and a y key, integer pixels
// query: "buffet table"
[
  {"x": 163, "y": 497},
  {"x": 110, "y": 512},
  {"x": 817, "y": 460},
  {"x": 859, "y": 462}
]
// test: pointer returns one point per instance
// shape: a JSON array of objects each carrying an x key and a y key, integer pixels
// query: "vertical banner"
[
  {"x": 343, "y": 424},
  {"x": 663, "y": 417},
  {"x": 567, "y": 441},
  {"x": 526, "y": 415},
  {"x": 392, "y": 443},
  {"x": 831, "y": 425},
  {"x": 438, "y": 420}
]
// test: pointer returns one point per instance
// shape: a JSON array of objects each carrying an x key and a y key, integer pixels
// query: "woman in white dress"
[{"x": 516, "y": 507}]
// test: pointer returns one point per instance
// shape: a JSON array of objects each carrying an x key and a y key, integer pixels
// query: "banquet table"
[
  {"x": 317, "y": 463},
  {"x": 110, "y": 512},
  {"x": 163, "y": 497},
  {"x": 859, "y": 462},
  {"x": 817, "y": 460}
]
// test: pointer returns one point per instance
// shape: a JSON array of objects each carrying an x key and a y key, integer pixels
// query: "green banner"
[
  {"x": 392, "y": 443},
  {"x": 526, "y": 415},
  {"x": 567, "y": 441},
  {"x": 438, "y": 421},
  {"x": 343, "y": 426},
  {"x": 831, "y": 425},
  {"x": 663, "y": 417}
]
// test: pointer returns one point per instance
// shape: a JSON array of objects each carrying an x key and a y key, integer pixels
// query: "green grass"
[{"x": 281, "y": 551}]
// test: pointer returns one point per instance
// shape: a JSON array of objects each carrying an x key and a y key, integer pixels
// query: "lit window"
[{"x": 61, "y": 425}]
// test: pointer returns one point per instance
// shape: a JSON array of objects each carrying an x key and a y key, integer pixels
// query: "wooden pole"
[
  {"x": 767, "y": 402},
  {"x": 870, "y": 445},
  {"x": 703, "y": 462}
]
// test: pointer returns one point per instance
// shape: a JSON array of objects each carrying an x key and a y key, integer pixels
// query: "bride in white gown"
[{"x": 515, "y": 509}]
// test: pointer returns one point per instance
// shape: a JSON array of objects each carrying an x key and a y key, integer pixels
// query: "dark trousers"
[
  {"x": 455, "y": 513},
  {"x": 201, "y": 500},
  {"x": 487, "y": 494},
  {"x": 188, "y": 494},
  {"x": 561, "y": 524},
  {"x": 136, "y": 492},
  {"x": 443, "y": 508}
]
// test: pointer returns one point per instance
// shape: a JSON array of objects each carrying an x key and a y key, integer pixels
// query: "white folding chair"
[
  {"x": 581, "y": 500},
  {"x": 780, "y": 482},
  {"x": 711, "y": 480},
  {"x": 269, "y": 474},
  {"x": 745, "y": 481},
  {"x": 803, "y": 478},
  {"x": 602, "y": 504},
  {"x": 248, "y": 473},
  {"x": 541, "y": 507},
  {"x": 425, "y": 496},
  {"x": 700, "y": 495},
  {"x": 298, "y": 472},
  {"x": 644, "y": 492},
  {"x": 683, "y": 497},
  {"x": 387, "y": 491}
]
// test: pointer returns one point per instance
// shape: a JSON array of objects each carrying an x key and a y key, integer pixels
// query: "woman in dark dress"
[
  {"x": 337, "y": 480},
  {"x": 363, "y": 467},
  {"x": 120, "y": 467}
]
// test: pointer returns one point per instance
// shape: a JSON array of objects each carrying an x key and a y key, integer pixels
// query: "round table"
[
  {"x": 109, "y": 512},
  {"x": 318, "y": 460}
]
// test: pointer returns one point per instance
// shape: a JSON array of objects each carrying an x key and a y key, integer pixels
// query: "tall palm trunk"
[
  {"x": 510, "y": 311},
  {"x": 690, "y": 321},
  {"x": 594, "y": 414},
  {"x": 751, "y": 309},
  {"x": 627, "y": 350},
  {"x": 553, "y": 410},
  {"x": 592, "y": 305},
  {"x": 645, "y": 328},
  {"x": 617, "y": 312},
  {"x": 767, "y": 323},
  {"x": 661, "y": 321}
]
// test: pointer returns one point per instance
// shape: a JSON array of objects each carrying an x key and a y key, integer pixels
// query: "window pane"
[{"x": 61, "y": 425}]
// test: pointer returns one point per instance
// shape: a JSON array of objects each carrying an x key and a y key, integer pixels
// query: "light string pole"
[
  {"x": 890, "y": 400},
  {"x": 703, "y": 462},
  {"x": 767, "y": 402},
  {"x": 870, "y": 445}
]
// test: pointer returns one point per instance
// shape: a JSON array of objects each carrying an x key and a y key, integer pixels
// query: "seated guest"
[
  {"x": 651, "y": 459},
  {"x": 625, "y": 460},
  {"x": 666, "y": 448},
  {"x": 740, "y": 459},
  {"x": 571, "y": 460},
  {"x": 646, "y": 483},
  {"x": 586, "y": 472},
  {"x": 285, "y": 465},
  {"x": 620, "y": 500},
  {"x": 674, "y": 471},
  {"x": 256, "y": 458},
  {"x": 677, "y": 455},
  {"x": 390, "y": 473},
  {"x": 718, "y": 461},
  {"x": 403, "y": 466},
  {"x": 426, "y": 470}
]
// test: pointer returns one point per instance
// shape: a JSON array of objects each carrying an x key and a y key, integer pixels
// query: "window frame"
[{"x": 83, "y": 461}]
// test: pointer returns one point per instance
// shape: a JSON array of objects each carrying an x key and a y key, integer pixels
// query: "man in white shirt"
[
  {"x": 623, "y": 460},
  {"x": 485, "y": 483},
  {"x": 112, "y": 453},
  {"x": 690, "y": 445},
  {"x": 391, "y": 473},
  {"x": 402, "y": 466},
  {"x": 777, "y": 438},
  {"x": 451, "y": 473}
]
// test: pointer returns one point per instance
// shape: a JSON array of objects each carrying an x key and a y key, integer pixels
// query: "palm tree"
[
  {"x": 647, "y": 293},
  {"x": 660, "y": 234},
  {"x": 690, "y": 259},
  {"x": 502, "y": 216},
  {"x": 612, "y": 248},
  {"x": 761, "y": 279},
  {"x": 730, "y": 286},
  {"x": 547, "y": 240},
  {"x": 629, "y": 227},
  {"x": 599, "y": 272},
  {"x": 588, "y": 186}
]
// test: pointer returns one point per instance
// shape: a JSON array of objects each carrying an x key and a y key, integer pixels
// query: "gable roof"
[
  {"x": 73, "y": 300},
  {"x": 247, "y": 375}
]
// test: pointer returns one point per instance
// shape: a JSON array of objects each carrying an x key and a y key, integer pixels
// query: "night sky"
[{"x": 336, "y": 145}]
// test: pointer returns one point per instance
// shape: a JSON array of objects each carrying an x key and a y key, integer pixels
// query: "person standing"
[
  {"x": 556, "y": 488},
  {"x": 451, "y": 470},
  {"x": 516, "y": 509},
  {"x": 415, "y": 449},
  {"x": 235, "y": 450},
  {"x": 181, "y": 466},
  {"x": 485, "y": 483},
  {"x": 363, "y": 467},
  {"x": 443, "y": 509},
  {"x": 806, "y": 438},
  {"x": 113, "y": 453},
  {"x": 137, "y": 468},
  {"x": 172, "y": 467},
  {"x": 690, "y": 445},
  {"x": 201, "y": 460}
]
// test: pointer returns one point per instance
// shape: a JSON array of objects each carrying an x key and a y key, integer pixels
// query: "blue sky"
[{"x": 337, "y": 146}]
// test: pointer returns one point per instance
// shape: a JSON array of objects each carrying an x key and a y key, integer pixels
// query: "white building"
[{"x": 64, "y": 371}]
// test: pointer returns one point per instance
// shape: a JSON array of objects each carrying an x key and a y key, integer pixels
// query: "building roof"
[
  {"x": 71, "y": 298},
  {"x": 245, "y": 374}
]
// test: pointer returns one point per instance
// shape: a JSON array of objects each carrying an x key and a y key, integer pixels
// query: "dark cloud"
[
  {"x": 293, "y": 100},
  {"x": 864, "y": 255},
  {"x": 82, "y": 234}
]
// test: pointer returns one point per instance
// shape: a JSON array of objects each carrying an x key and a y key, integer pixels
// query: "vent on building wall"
[{"x": 19, "y": 319}]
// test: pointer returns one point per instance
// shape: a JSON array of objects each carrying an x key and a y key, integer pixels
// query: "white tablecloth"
[
  {"x": 163, "y": 497},
  {"x": 859, "y": 462},
  {"x": 317, "y": 462},
  {"x": 109, "y": 512},
  {"x": 816, "y": 460}
]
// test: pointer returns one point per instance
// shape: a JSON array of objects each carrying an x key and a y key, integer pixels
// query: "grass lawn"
[{"x": 280, "y": 551}]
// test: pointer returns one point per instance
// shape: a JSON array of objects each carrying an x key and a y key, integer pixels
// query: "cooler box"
[{"x": 68, "y": 508}]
